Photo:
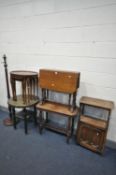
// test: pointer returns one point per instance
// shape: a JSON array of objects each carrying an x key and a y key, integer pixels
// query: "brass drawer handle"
[
  {"x": 56, "y": 73},
  {"x": 69, "y": 76},
  {"x": 52, "y": 84}
]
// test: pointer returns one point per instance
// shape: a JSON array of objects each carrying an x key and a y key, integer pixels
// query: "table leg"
[
  {"x": 35, "y": 115},
  {"x": 25, "y": 120},
  {"x": 69, "y": 129},
  {"x": 72, "y": 127},
  {"x": 40, "y": 122},
  {"x": 47, "y": 117},
  {"x": 13, "y": 87},
  {"x": 14, "y": 117}
]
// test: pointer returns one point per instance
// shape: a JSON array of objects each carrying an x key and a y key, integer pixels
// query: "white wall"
[{"x": 77, "y": 35}]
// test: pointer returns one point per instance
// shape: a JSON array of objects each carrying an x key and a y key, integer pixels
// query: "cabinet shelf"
[{"x": 94, "y": 122}]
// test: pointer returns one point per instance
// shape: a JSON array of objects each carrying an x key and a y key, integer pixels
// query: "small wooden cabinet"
[{"x": 92, "y": 130}]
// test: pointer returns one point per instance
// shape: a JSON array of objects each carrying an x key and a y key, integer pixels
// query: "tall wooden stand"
[{"x": 8, "y": 121}]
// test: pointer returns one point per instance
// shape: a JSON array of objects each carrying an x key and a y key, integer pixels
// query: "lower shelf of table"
[{"x": 56, "y": 128}]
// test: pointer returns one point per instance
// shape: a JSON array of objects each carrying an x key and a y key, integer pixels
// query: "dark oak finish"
[
  {"x": 28, "y": 97},
  {"x": 7, "y": 121},
  {"x": 62, "y": 82},
  {"x": 57, "y": 108},
  {"x": 104, "y": 104},
  {"x": 53, "y": 79},
  {"x": 25, "y": 114},
  {"x": 101, "y": 124},
  {"x": 6, "y": 75},
  {"x": 29, "y": 80},
  {"x": 92, "y": 132}
]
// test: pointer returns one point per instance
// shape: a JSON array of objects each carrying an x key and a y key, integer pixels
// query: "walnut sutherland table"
[{"x": 62, "y": 82}]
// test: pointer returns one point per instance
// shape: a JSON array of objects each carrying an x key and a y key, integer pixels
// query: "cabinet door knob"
[{"x": 56, "y": 72}]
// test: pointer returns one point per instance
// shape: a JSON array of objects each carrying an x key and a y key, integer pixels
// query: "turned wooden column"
[{"x": 7, "y": 121}]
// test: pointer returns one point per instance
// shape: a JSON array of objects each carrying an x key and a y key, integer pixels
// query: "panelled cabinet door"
[
  {"x": 97, "y": 139},
  {"x": 90, "y": 137},
  {"x": 83, "y": 135}
]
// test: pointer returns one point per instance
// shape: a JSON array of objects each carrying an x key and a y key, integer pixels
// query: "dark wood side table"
[
  {"x": 92, "y": 130},
  {"x": 19, "y": 103},
  {"x": 29, "y": 80},
  {"x": 28, "y": 97}
]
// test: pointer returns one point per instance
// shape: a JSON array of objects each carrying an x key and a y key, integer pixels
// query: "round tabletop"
[
  {"x": 23, "y": 73},
  {"x": 19, "y": 103}
]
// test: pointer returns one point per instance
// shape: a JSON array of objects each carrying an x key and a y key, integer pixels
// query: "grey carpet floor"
[{"x": 48, "y": 154}]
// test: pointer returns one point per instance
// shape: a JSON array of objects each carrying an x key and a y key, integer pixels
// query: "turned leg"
[
  {"x": 40, "y": 122},
  {"x": 35, "y": 115},
  {"x": 72, "y": 127},
  {"x": 25, "y": 120},
  {"x": 14, "y": 117},
  {"x": 69, "y": 129},
  {"x": 46, "y": 117}
]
